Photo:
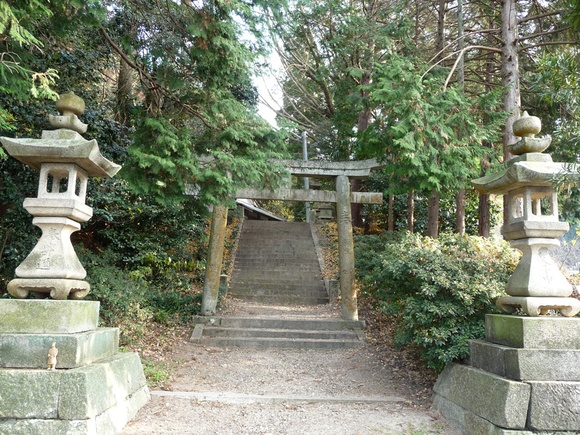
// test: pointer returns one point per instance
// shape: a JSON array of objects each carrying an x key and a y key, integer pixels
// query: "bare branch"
[
  {"x": 543, "y": 44},
  {"x": 551, "y": 32},
  {"x": 537, "y": 17},
  {"x": 480, "y": 47}
]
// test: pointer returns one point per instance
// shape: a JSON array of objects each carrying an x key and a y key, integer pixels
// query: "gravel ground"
[{"x": 243, "y": 391}]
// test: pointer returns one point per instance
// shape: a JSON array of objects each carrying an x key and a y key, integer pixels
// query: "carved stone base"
[
  {"x": 56, "y": 288},
  {"x": 536, "y": 306}
]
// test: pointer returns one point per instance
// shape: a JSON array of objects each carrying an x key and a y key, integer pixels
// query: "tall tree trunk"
[
  {"x": 510, "y": 77},
  {"x": 363, "y": 122},
  {"x": 433, "y": 222},
  {"x": 460, "y": 197},
  {"x": 484, "y": 215},
  {"x": 411, "y": 211},
  {"x": 123, "y": 97},
  {"x": 460, "y": 212},
  {"x": 510, "y": 71},
  {"x": 391, "y": 213},
  {"x": 483, "y": 208}
]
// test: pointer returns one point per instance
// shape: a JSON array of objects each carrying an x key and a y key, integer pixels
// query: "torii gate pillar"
[
  {"x": 345, "y": 249},
  {"x": 213, "y": 269}
]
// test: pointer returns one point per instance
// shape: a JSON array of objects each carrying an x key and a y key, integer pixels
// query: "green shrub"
[
  {"x": 130, "y": 298},
  {"x": 122, "y": 297},
  {"x": 438, "y": 291}
]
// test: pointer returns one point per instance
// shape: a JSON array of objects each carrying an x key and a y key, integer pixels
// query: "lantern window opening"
[{"x": 68, "y": 180}]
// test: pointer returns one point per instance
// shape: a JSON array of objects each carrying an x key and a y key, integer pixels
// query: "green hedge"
[{"x": 437, "y": 290}]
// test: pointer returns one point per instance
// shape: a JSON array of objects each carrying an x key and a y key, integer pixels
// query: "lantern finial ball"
[{"x": 69, "y": 103}]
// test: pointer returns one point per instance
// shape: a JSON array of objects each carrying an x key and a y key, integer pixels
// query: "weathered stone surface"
[
  {"x": 46, "y": 427},
  {"x": 537, "y": 306},
  {"x": 471, "y": 424},
  {"x": 533, "y": 332},
  {"x": 520, "y": 174},
  {"x": 537, "y": 274},
  {"x": 452, "y": 412},
  {"x": 114, "y": 419},
  {"x": 325, "y": 196},
  {"x": 555, "y": 406},
  {"x": 75, "y": 394},
  {"x": 74, "y": 350},
  {"x": 211, "y": 285},
  {"x": 58, "y": 288},
  {"x": 320, "y": 168},
  {"x": 346, "y": 249},
  {"x": 85, "y": 153},
  {"x": 498, "y": 400},
  {"x": 529, "y": 228},
  {"x": 526, "y": 364},
  {"x": 87, "y": 392},
  {"x": 487, "y": 356},
  {"x": 111, "y": 421},
  {"x": 54, "y": 255},
  {"x": 72, "y": 208},
  {"x": 29, "y": 393},
  {"x": 47, "y": 316}
]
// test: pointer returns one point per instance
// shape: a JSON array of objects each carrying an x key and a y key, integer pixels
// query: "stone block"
[
  {"x": 26, "y": 394},
  {"x": 526, "y": 364},
  {"x": 47, "y": 316},
  {"x": 487, "y": 356},
  {"x": 452, "y": 412},
  {"x": 502, "y": 402},
  {"x": 555, "y": 406},
  {"x": 533, "y": 332},
  {"x": 77, "y": 394},
  {"x": 46, "y": 427},
  {"x": 112, "y": 421},
  {"x": 74, "y": 350},
  {"x": 88, "y": 391},
  {"x": 470, "y": 424}
]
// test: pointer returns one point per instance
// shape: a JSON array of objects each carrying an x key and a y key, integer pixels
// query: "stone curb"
[{"x": 239, "y": 398}]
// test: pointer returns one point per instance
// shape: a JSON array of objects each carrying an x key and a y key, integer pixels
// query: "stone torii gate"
[{"x": 342, "y": 172}]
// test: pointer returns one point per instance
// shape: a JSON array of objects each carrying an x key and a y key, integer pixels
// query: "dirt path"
[{"x": 242, "y": 391}]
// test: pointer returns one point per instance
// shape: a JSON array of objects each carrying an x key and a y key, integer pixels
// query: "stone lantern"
[
  {"x": 532, "y": 226},
  {"x": 92, "y": 388},
  {"x": 65, "y": 160},
  {"x": 524, "y": 378}
]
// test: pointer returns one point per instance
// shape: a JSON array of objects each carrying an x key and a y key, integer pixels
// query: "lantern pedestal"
[{"x": 523, "y": 379}]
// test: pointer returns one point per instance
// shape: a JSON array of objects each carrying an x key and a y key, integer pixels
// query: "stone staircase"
[
  {"x": 277, "y": 297},
  {"x": 276, "y": 263}
]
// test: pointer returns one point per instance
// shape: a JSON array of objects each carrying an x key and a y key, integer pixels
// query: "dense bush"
[{"x": 438, "y": 291}]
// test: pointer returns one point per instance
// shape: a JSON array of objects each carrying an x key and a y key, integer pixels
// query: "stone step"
[
  {"x": 278, "y": 289},
  {"x": 285, "y": 323},
  {"x": 282, "y": 299},
  {"x": 283, "y": 279},
  {"x": 279, "y": 343},
  {"x": 307, "y": 262},
  {"x": 298, "y": 334},
  {"x": 272, "y": 332}
]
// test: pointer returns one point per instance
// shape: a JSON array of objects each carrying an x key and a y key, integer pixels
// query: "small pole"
[{"x": 306, "y": 181}]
